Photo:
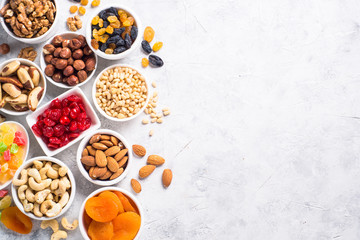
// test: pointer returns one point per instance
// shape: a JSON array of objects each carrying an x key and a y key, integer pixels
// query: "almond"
[
  {"x": 123, "y": 161},
  {"x": 91, "y": 170},
  {"x": 167, "y": 177},
  {"x": 98, "y": 172},
  {"x": 105, "y": 137},
  {"x": 107, "y": 143},
  {"x": 139, "y": 150},
  {"x": 100, "y": 158},
  {"x": 112, "y": 164},
  {"x": 94, "y": 139},
  {"x": 136, "y": 186},
  {"x": 91, "y": 150},
  {"x": 88, "y": 161},
  {"x": 87, "y": 167},
  {"x": 146, "y": 171},
  {"x": 120, "y": 154},
  {"x": 112, "y": 151},
  {"x": 106, "y": 175},
  {"x": 114, "y": 140},
  {"x": 155, "y": 160},
  {"x": 85, "y": 152},
  {"x": 99, "y": 146},
  {"x": 117, "y": 174}
]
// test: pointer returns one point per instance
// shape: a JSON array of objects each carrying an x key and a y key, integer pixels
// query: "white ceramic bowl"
[
  {"x": 128, "y": 194},
  {"x": 42, "y": 83},
  {"x": 95, "y": 124},
  {"x": 137, "y": 23},
  {"x": 36, "y": 40},
  {"x": 66, "y": 35},
  {"x": 83, "y": 144},
  {"x": 28, "y": 164},
  {"x": 25, "y": 133},
  {"x": 102, "y": 111}
]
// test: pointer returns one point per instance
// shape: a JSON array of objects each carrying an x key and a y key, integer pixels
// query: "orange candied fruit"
[
  {"x": 157, "y": 46},
  {"x": 145, "y": 62},
  {"x": 95, "y": 3},
  {"x": 84, "y": 2},
  {"x": 73, "y": 9},
  {"x": 82, "y": 10}
]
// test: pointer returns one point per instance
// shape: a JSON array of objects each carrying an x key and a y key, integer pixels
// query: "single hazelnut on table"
[
  {"x": 75, "y": 44},
  {"x": 65, "y": 52},
  {"x": 48, "y": 58},
  {"x": 79, "y": 64},
  {"x": 78, "y": 54},
  {"x": 66, "y": 43},
  {"x": 57, "y": 41},
  {"x": 69, "y": 70},
  {"x": 54, "y": 60},
  {"x": 61, "y": 64},
  {"x": 57, "y": 52},
  {"x": 90, "y": 64},
  {"x": 70, "y": 61},
  {"x": 87, "y": 51},
  {"x": 82, "y": 75},
  {"x": 82, "y": 40},
  {"x": 57, "y": 77},
  {"x": 48, "y": 49},
  {"x": 72, "y": 80},
  {"x": 49, "y": 70},
  {"x": 4, "y": 48}
]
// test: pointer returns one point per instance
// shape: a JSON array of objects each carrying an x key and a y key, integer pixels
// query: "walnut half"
[
  {"x": 28, "y": 53},
  {"x": 74, "y": 23}
]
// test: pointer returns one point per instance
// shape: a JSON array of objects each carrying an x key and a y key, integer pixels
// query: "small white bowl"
[
  {"x": 42, "y": 83},
  {"x": 102, "y": 111},
  {"x": 27, "y": 164},
  {"x": 82, "y": 146},
  {"x": 128, "y": 194},
  {"x": 134, "y": 46},
  {"x": 36, "y": 40},
  {"x": 95, "y": 124},
  {"x": 23, "y": 130},
  {"x": 66, "y": 35}
]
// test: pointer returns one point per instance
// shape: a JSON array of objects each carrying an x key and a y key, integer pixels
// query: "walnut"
[
  {"x": 74, "y": 23},
  {"x": 28, "y": 53}
]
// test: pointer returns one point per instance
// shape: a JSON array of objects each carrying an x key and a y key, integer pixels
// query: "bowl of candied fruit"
[
  {"x": 14, "y": 148},
  {"x": 113, "y": 32}
]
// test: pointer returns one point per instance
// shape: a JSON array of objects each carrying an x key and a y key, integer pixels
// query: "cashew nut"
[
  {"x": 44, "y": 170},
  {"x": 50, "y": 223},
  {"x": 52, "y": 173},
  {"x": 33, "y": 172},
  {"x": 55, "y": 210},
  {"x": 67, "y": 225},
  {"x": 37, "y": 210},
  {"x": 21, "y": 192},
  {"x": 37, "y": 164},
  {"x": 50, "y": 197},
  {"x": 59, "y": 235},
  {"x": 22, "y": 180},
  {"x": 63, "y": 171},
  {"x": 56, "y": 167},
  {"x": 46, "y": 205},
  {"x": 54, "y": 184},
  {"x": 27, "y": 206},
  {"x": 38, "y": 186},
  {"x": 64, "y": 199},
  {"x": 30, "y": 195},
  {"x": 40, "y": 196},
  {"x": 47, "y": 182}
]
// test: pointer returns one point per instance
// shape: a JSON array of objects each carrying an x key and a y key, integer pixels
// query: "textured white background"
[{"x": 264, "y": 134}]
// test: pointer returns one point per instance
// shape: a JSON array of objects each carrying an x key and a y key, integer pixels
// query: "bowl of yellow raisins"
[{"x": 113, "y": 32}]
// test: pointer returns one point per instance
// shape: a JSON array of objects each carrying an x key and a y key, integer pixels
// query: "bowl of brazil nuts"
[
  {"x": 103, "y": 157},
  {"x": 43, "y": 188},
  {"x": 120, "y": 92}
]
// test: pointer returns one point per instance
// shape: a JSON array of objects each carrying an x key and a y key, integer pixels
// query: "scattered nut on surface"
[
  {"x": 153, "y": 84},
  {"x": 145, "y": 121},
  {"x": 74, "y": 23},
  {"x": 4, "y": 48},
  {"x": 28, "y": 53},
  {"x": 69, "y": 226},
  {"x": 151, "y": 133}
]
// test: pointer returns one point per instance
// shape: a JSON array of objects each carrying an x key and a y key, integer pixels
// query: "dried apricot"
[
  {"x": 95, "y": 20},
  {"x": 126, "y": 226},
  {"x": 128, "y": 207},
  {"x": 101, "y": 209},
  {"x": 15, "y": 220},
  {"x": 82, "y": 10},
  {"x": 95, "y": 3},
  {"x": 101, "y": 231},
  {"x": 84, "y": 2},
  {"x": 87, "y": 220},
  {"x": 145, "y": 62},
  {"x": 149, "y": 34},
  {"x": 73, "y": 9},
  {"x": 113, "y": 196}
]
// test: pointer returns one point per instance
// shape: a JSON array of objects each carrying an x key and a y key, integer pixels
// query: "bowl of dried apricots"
[{"x": 111, "y": 213}]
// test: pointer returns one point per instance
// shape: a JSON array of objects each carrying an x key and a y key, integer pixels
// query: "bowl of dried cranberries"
[{"x": 62, "y": 122}]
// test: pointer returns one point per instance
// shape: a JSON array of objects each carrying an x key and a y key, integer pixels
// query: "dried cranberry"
[
  {"x": 64, "y": 120},
  {"x": 52, "y": 145},
  {"x": 66, "y": 111},
  {"x": 65, "y": 102},
  {"x": 64, "y": 140},
  {"x": 40, "y": 123},
  {"x": 54, "y": 140},
  {"x": 73, "y": 126},
  {"x": 73, "y": 135},
  {"x": 36, "y": 130},
  {"x": 56, "y": 103},
  {"x": 81, "y": 116},
  {"x": 74, "y": 98},
  {"x": 48, "y": 131},
  {"x": 67, "y": 128},
  {"x": 55, "y": 114},
  {"x": 82, "y": 107},
  {"x": 49, "y": 122},
  {"x": 59, "y": 130},
  {"x": 74, "y": 105},
  {"x": 81, "y": 125},
  {"x": 74, "y": 112},
  {"x": 87, "y": 123},
  {"x": 46, "y": 113}
]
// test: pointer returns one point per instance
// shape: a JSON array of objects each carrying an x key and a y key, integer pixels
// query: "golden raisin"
[
  {"x": 109, "y": 51},
  {"x": 132, "y": 20},
  {"x": 104, "y": 38},
  {"x": 95, "y": 33},
  {"x": 157, "y": 46},
  {"x": 95, "y": 44},
  {"x": 126, "y": 23},
  {"x": 109, "y": 29},
  {"x": 149, "y": 34},
  {"x": 123, "y": 17},
  {"x": 84, "y": 2},
  {"x": 115, "y": 24},
  {"x": 120, "y": 12},
  {"x": 95, "y": 20},
  {"x": 82, "y": 10},
  {"x": 101, "y": 31},
  {"x": 95, "y": 3},
  {"x": 145, "y": 62},
  {"x": 101, "y": 22},
  {"x": 73, "y": 9},
  {"x": 112, "y": 45},
  {"x": 112, "y": 19}
]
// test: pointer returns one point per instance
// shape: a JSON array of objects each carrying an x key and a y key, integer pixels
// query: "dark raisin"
[
  {"x": 113, "y": 10},
  {"x": 146, "y": 47},
  {"x": 108, "y": 14},
  {"x": 119, "y": 50},
  {"x": 106, "y": 23},
  {"x": 118, "y": 31},
  {"x": 95, "y": 27},
  {"x": 103, "y": 47},
  {"x": 102, "y": 14},
  {"x": 155, "y": 61},
  {"x": 121, "y": 42},
  {"x": 134, "y": 32},
  {"x": 128, "y": 41},
  {"x": 113, "y": 39},
  {"x": 77, "y": 0}
]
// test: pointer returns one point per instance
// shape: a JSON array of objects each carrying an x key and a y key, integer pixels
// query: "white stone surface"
[{"x": 264, "y": 133}]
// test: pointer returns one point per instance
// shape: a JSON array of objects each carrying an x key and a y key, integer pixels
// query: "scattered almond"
[
  {"x": 139, "y": 150},
  {"x": 167, "y": 177},
  {"x": 155, "y": 160},
  {"x": 146, "y": 171},
  {"x": 136, "y": 186}
]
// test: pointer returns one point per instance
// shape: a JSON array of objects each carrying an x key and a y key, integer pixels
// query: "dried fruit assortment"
[
  {"x": 44, "y": 188},
  {"x": 62, "y": 122},
  {"x": 113, "y": 31},
  {"x": 69, "y": 61},
  {"x": 29, "y": 18},
  {"x": 155, "y": 61},
  {"x": 20, "y": 86},
  {"x": 105, "y": 157},
  {"x": 111, "y": 215},
  {"x": 13, "y": 144}
]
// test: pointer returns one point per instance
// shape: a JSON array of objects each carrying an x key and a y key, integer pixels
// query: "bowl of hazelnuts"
[{"x": 67, "y": 60}]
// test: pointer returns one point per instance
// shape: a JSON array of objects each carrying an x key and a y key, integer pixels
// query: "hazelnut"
[
  {"x": 61, "y": 64},
  {"x": 79, "y": 64},
  {"x": 90, "y": 64},
  {"x": 57, "y": 41},
  {"x": 65, "y": 52},
  {"x": 4, "y": 48},
  {"x": 82, "y": 40},
  {"x": 78, "y": 54},
  {"x": 54, "y": 60},
  {"x": 87, "y": 51},
  {"x": 49, "y": 70},
  {"x": 57, "y": 52},
  {"x": 48, "y": 49},
  {"x": 69, "y": 70},
  {"x": 82, "y": 75},
  {"x": 70, "y": 61},
  {"x": 72, "y": 80},
  {"x": 57, "y": 77},
  {"x": 75, "y": 44},
  {"x": 48, "y": 58},
  {"x": 66, "y": 43}
]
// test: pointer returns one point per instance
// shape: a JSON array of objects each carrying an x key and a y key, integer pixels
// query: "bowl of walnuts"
[{"x": 67, "y": 60}]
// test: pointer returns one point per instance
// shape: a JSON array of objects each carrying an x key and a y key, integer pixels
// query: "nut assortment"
[
  {"x": 20, "y": 86},
  {"x": 29, "y": 18},
  {"x": 105, "y": 157},
  {"x": 121, "y": 92},
  {"x": 44, "y": 188},
  {"x": 69, "y": 61}
]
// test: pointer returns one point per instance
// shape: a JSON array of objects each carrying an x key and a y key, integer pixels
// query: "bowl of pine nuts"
[{"x": 120, "y": 92}]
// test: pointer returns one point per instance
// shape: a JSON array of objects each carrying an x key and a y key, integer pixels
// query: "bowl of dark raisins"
[{"x": 112, "y": 32}]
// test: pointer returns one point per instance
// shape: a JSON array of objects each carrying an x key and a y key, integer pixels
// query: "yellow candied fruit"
[
  {"x": 4, "y": 167},
  {"x": 82, "y": 10},
  {"x": 145, "y": 62},
  {"x": 101, "y": 31},
  {"x": 6, "y": 128},
  {"x": 157, "y": 46},
  {"x": 112, "y": 18},
  {"x": 95, "y": 20},
  {"x": 116, "y": 24},
  {"x": 104, "y": 38},
  {"x": 109, "y": 29},
  {"x": 73, "y": 9},
  {"x": 15, "y": 162},
  {"x": 126, "y": 23},
  {"x": 95, "y": 3},
  {"x": 84, "y": 2},
  {"x": 123, "y": 17},
  {"x": 8, "y": 138},
  {"x": 101, "y": 22},
  {"x": 132, "y": 20},
  {"x": 109, "y": 51}
]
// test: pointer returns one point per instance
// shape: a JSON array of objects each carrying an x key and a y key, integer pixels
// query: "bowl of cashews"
[{"x": 43, "y": 188}]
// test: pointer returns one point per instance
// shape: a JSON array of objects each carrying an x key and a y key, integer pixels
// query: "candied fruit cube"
[
  {"x": 8, "y": 138},
  {"x": 7, "y": 155},
  {"x": 95, "y": 20},
  {"x": 4, "y": 167},
  {"x": 73, "y": 9}
]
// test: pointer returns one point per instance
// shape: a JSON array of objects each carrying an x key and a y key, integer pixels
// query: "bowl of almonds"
[{"x": 103, "y": 157}]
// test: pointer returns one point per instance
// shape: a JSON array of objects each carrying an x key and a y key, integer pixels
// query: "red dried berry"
[
  {"x": 49, "y": 122},
  {"x": 36, "y": 130},
  {"x": 59, "y": 130},
  {"x": 74, "y": 98},
  {"x": 64, "y": 120},
  {"x": 55, "y": 114},
  {"x": 65, "y": 102},
  {"x": 56, "y": 103},
  {"x": 66, "y": 111},
  {"x": 73, "y": 126},
  {"x": 52, "y": 145},
  {"x": 48, "y": 131},
  {"x": 74, "y": 112},
  {"x": 54, "y": 140},
  {"x": 73, "y": 135}
]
